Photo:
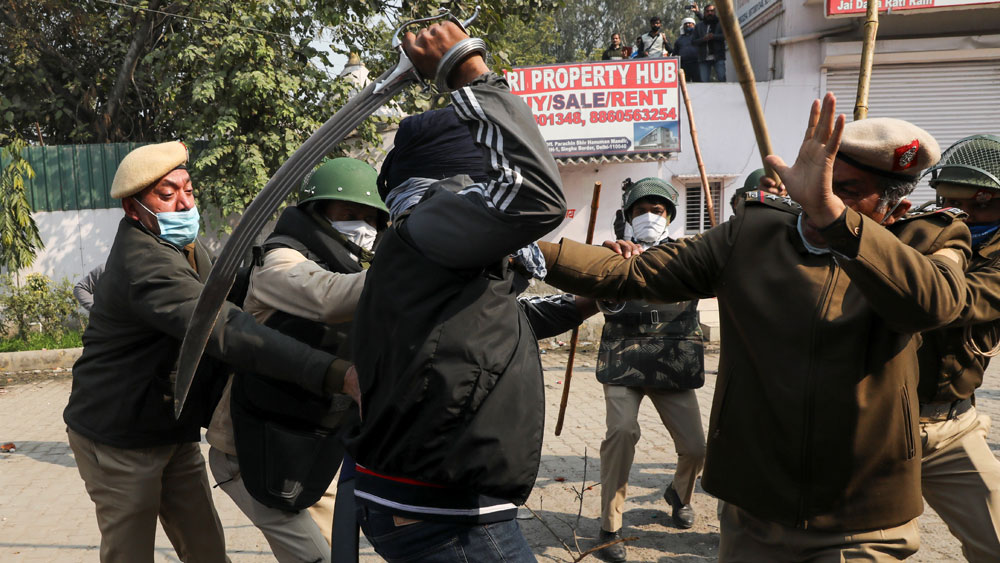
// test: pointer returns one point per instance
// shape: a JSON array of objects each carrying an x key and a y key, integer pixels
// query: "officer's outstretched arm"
[{"x": 667, "y": 273}]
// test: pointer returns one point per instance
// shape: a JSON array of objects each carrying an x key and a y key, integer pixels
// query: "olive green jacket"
[
  {"x": 122, "y": 391},
  {"x": 814, "y": 418},
  {"x": 949, "y": 369}
]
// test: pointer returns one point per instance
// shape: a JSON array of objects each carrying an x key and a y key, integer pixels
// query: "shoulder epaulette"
[
  {"x": 758, "y": 197},
  {"x": 946, "y": 214}
]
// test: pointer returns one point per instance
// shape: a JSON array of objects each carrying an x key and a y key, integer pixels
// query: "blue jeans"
[
  {"x": 706, "y": 70},
  {"x": 443, "y": 542}
]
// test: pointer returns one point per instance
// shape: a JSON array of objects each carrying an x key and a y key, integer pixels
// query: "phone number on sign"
[{"x": 609, "y": 116}]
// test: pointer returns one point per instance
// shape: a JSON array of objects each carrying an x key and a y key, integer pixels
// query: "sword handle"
[
  {"x": 404, "y": 70},
  {"x": 444, "y": 13}
]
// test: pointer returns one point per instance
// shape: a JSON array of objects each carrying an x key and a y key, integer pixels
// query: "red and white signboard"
[
  {"x": 599, "y": 108},
  {"x": 853, "y": 7}
]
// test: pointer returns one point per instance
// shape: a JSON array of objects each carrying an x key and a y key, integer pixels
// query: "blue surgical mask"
[{"x": 179, "y": 228}]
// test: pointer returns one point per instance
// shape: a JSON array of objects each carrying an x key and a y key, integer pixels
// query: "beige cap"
[
  {"x": 145, "y": 165},
  {"x": 888, "y": 147}
]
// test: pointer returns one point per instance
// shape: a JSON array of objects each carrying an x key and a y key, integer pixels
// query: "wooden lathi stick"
[
  {"x": 594, "y": 202},
  {"x": 741, "y": 62},
  {"x": 697, "y": 150},
  {"x": 867, "y": 60}
]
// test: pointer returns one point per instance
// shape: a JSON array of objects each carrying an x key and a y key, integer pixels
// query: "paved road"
[{"x": 45, "y": 514}]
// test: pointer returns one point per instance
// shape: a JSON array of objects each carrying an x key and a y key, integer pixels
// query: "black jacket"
[
  {"x": 123, "y": 382},
  {"x": 451, "y": 382},
  {"x": 715, "y": 45},
  {"x": 685, "y": 48}
]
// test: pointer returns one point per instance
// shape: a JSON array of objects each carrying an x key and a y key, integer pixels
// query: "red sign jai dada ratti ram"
[
  {"x": 603, "y": 108},
  {"x": 856, "y": 7}
]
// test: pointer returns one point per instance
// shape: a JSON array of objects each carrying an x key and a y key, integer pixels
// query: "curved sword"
[{"x": 288, "y": 176}]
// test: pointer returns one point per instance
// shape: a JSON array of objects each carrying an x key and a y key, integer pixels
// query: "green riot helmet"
[
  {"x": 343, "y": 179},
  {"x": 749, "y": 185},
  {"x": 753, "y": 178},
  {"x": 650, "y": 187},
  {"x": 969, "y": 168}
]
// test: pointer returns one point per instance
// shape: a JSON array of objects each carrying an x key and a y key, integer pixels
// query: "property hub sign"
[
  {"x": 603, "y": 108},
  {"x": 852, "y": 7}
]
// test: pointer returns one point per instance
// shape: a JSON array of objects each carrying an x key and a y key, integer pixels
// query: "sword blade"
[{"x": 262, "y": 208}]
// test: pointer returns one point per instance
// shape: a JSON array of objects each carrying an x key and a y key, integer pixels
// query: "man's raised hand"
[
  {"x": 809, "y": 180},
  {"x": 428, "y": 47}
]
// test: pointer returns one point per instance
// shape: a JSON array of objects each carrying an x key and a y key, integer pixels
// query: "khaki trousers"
[
  {"x": 960, "y": 477},
  {"x": 322, "y": 511},
  {"x": 746, "y": 538},
  {"x": 293, "y": 536},
  {"x": 131, "y": 487},
  {"x": 680, "y": 415}
]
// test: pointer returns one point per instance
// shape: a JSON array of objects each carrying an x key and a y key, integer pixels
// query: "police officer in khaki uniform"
[
  {"x": 656, "y": 351},
  {"x": 812, "y": 436},
  {"x": 960, "y": 475},
  {"x": 139, "y": 463}
]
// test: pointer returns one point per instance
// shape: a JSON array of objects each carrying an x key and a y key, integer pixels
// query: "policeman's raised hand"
[
  {"x": 428, "y": 47},
  {"x": 767, "y": 184},
  {"x": 626, "y": 248},
  {"x": 809, "y": 181}
]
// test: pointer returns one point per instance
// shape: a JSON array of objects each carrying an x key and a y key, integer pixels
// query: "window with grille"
[{"x": 696, "y": 215}]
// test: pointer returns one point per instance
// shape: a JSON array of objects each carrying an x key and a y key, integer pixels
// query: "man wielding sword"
[{"x": 452, "y": 392}]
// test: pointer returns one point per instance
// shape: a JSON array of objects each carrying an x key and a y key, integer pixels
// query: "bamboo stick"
[
  {"x": 697, "y": 150},
  {"x": 594, "y": 202},
  {"x": 741, "y": 62},
  {"x": 867, "y": 60}
]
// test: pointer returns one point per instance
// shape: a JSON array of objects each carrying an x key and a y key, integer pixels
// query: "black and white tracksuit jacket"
[{"x": 451, "y": 383}]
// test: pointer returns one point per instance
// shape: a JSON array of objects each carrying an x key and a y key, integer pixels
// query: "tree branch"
[{"x": 140, "y": 37}]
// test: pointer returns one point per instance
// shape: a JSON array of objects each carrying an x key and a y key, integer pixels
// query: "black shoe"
[
  {"x": 683, "y": 514},
  {"x": 612, "y": 552}
]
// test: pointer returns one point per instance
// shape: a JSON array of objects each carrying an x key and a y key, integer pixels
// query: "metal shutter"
[{"x": 950, "y": 100}]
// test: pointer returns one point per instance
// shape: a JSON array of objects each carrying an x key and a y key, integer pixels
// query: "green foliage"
[
  {"x": 244, "y": 82},
  {"x": 37, "y": 306},
  {"x": 39, "y": 341},
  {"x": 19, "y": 238},
  {"x": 528, "y": 43},
  {"x": 581, "y": 29}
]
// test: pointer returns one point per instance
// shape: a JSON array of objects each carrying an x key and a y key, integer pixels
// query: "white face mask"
[
  {"x": 649, "y": 228},
  {"x": 358, "y": 232}
]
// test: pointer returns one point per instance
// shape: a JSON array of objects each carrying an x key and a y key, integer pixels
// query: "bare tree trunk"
[{"x": 140, "y": 38}]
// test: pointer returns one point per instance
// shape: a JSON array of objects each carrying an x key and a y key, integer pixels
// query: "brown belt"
[{"x": 938, "y": 412}]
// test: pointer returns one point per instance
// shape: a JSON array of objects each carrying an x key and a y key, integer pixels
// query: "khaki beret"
[
  {"x": 145, "y": 165},
  {"x": 888, "y": 147}
]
